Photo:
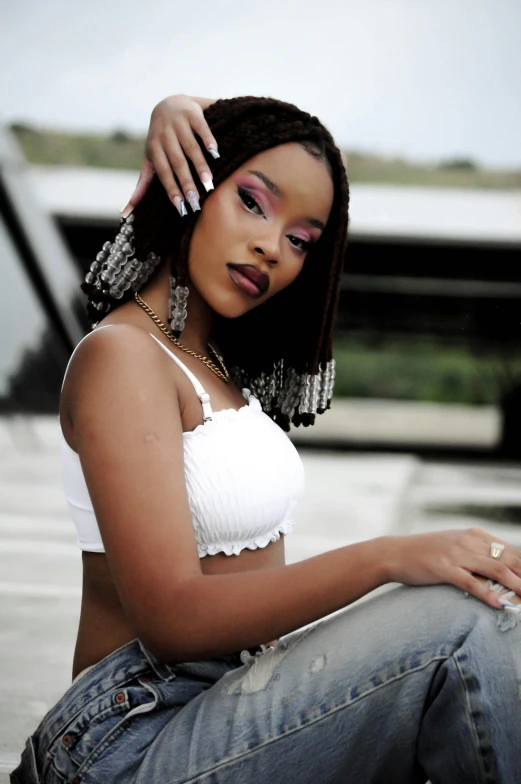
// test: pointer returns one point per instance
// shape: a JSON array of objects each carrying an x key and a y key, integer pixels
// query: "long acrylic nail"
[
  {"x": 179, "y": 203},
  {"x": 213, "y": 152},
  {"x": 509, "y": 607},
  {"x": 126, "y": 210},
  {"x": 207, "y": 181},
  {"x": 193, "y": 200}
]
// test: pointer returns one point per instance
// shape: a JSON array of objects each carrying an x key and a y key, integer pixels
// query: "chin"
[{"x": 231, "y": 306}]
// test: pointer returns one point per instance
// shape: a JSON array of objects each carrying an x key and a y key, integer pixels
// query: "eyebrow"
[{"x": 274, "y": 188}]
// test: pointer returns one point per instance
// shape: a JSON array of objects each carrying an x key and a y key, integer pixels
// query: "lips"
[{"x": 253, "y": 274}]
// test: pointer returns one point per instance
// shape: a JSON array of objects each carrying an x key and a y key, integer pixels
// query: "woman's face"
[{"x": 254, "y": 231}]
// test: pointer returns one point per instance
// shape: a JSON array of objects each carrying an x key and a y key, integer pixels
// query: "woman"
[{"x": 191, "y": 662}]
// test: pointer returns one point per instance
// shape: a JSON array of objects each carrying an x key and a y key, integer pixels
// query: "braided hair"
[{"x": 282, "y": 350}]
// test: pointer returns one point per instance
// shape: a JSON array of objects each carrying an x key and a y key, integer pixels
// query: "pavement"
[
  {"x": 404, "y": 422},
  {"x": 349, "y": 497}
]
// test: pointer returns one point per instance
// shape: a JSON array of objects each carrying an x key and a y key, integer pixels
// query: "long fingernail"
[
  {"x": 509, "y": 607},
  {"x": 179, "y": 203},
  {"x": 213, "y": 152},
  {"x": 207, "y": 181},
  {"x": 193, "y": 200},
  {"x": 126, "y": 210}
]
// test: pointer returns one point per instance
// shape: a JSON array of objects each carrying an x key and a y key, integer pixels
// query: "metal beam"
[{"x": 38, "y": 241}]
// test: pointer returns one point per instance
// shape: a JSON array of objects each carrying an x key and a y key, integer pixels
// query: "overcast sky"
[{"x": 425, "y": 79}]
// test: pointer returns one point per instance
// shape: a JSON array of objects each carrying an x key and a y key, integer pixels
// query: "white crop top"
[{"x": 243, "y": 476}]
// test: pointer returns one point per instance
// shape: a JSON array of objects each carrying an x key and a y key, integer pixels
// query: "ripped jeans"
[{"x": 409, "y": 685}]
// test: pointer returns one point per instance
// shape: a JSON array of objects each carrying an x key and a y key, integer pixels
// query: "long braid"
[{"x": 281, "y": 350}]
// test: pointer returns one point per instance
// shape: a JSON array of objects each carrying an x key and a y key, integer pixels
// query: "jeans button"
[
  {"x": 67, "y": 740},
  {"x": 120, "y": 697}
]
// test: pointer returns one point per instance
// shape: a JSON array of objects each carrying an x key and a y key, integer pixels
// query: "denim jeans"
[{"x": 409, "y": 685}]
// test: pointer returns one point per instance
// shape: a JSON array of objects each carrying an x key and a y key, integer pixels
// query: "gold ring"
[{"x": 496, "y": 549}]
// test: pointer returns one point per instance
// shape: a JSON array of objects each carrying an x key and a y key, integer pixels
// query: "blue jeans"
[{"x": 409, "y": 685}]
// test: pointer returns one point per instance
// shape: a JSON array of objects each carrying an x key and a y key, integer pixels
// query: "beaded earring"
[
  {"x": 115, "y": 268},
  {"x": 177, "y": 306}
]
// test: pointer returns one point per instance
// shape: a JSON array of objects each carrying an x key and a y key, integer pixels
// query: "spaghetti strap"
[{"x": 203, "y": 396}]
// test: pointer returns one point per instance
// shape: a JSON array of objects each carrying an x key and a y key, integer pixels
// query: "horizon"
[{"x": 448, "y": 162}]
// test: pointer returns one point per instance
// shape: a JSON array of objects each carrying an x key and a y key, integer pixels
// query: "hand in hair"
[{"x": 170, "y": 141}]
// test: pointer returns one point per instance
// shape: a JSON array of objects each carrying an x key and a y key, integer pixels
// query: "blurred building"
[{"x": 428, "y": 261}]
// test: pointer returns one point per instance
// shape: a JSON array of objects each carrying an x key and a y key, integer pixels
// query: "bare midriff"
[{"x": 103, "y": 624}]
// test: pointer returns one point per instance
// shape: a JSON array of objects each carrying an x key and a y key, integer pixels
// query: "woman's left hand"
[{"x": 170, "y": 141}]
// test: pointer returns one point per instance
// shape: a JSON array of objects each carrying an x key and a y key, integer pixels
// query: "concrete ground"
[
  {"x": 373, "y": 421},
  {"x": 348, "y": 498}
]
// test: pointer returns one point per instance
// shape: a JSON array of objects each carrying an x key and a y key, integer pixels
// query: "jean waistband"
[{"x": 116, "y": 669}]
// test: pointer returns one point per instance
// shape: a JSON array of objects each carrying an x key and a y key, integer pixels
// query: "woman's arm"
[
  {"x": 129, "y": 435},
  {"x": 170, "y": 141},
  {"x": 224, "y": 613}
]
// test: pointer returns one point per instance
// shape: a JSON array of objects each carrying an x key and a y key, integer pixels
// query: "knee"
[{"x": 445, "y": 616}]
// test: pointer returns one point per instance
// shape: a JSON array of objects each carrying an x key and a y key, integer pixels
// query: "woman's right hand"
[
  {"x": 170, "y": 141},
  {"x": 457, "y": 557}
]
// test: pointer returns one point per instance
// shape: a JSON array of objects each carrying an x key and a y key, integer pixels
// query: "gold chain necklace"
[{"x": 223, "y": 374}]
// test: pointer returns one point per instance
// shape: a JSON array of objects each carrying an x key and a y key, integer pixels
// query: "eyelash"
[{"x": 244, "y": 194}]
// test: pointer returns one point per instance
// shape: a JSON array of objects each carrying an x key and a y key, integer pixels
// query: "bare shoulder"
[
  {"x": 109, "y": 350},
  {"x": 100, "y": 358},
  {"x": 120, "y": 391}
]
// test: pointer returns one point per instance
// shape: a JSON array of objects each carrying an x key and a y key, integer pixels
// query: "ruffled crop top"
[{"x": 243, "y": 475}]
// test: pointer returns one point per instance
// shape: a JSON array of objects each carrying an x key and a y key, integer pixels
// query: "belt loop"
[
  {"x": 250, "y": 654},
  {"x": 163, "y": 671}
]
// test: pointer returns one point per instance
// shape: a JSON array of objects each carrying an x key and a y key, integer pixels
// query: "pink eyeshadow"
[{"x": 262, "y": 194}]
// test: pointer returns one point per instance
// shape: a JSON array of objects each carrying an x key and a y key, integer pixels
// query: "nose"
[{"x": 267, "y": 247}]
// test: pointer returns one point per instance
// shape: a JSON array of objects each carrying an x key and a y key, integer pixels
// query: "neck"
[{"x": 199, "y": 321}]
